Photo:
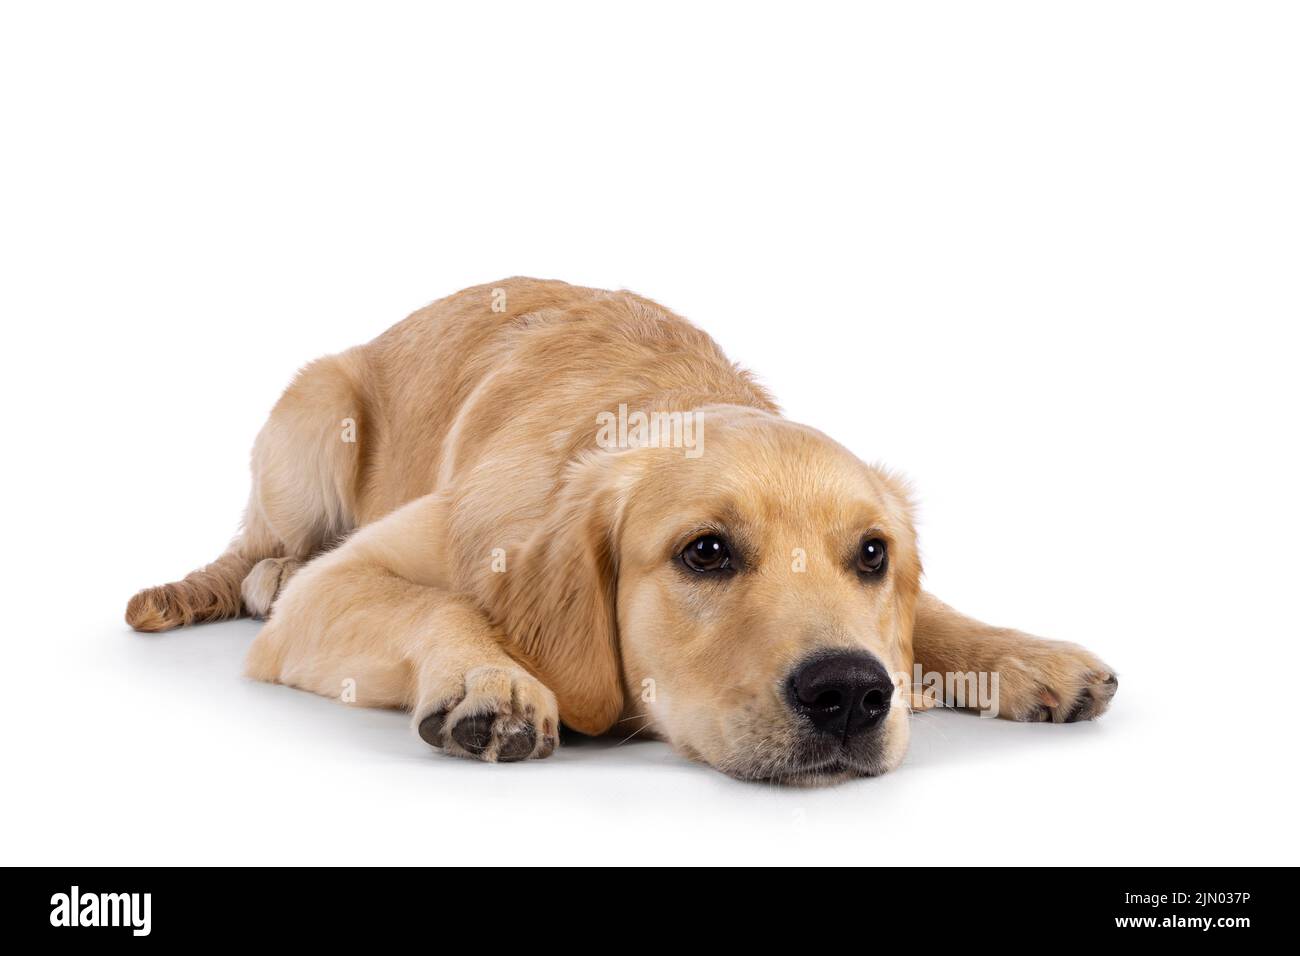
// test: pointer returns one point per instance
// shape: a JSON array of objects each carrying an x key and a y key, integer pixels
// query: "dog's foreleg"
[
  {"x": 1035, "y": 679},
  {"x": 374, "y": 623}
]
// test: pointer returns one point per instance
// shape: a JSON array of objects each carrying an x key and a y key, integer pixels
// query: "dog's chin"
[
  {"x": 826, "y": 775},
  {"x": 819, "y": 770}
]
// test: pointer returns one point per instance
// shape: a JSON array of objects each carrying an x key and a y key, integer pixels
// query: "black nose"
[{"x": 845, "y": 693}]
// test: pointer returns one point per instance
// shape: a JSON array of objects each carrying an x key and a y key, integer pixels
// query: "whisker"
[{"x": 633, "y": 733}]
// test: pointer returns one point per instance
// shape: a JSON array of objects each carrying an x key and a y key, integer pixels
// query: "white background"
[{"x": 1041, "y": 258}]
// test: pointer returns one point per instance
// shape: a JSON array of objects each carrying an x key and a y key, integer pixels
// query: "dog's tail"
[{"x": 209, "y": 594}]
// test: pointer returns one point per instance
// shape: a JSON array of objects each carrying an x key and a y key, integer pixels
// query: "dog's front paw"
[
  {"x": 501, "y": 714},
  {"x": 1054, "y": 681}
]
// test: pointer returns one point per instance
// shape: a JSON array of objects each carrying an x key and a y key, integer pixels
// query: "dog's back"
[{"x": 530, "y": 359}]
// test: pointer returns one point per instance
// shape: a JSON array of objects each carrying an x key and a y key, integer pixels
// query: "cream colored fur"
[{"x": 433, "y": 526}]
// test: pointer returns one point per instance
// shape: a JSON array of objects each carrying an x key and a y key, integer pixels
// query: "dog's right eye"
[{"x": 707, "y": 553}]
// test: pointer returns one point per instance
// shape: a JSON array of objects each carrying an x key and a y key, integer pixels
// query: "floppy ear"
[
  {"x": 905, "y": 560},
  {"x": 558, "y": 600}
]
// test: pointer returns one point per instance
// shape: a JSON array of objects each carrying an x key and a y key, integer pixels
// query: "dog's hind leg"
[
  {"x": 306, "y": 469},
  {"x": 265, "y": 582}
]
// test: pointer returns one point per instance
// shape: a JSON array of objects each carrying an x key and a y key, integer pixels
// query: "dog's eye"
[
  {"x": 871, "y": 559},
  {"x": 708, "y": 552}
]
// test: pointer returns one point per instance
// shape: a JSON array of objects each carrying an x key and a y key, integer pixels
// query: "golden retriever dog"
[{"x": 533, "y": 504}]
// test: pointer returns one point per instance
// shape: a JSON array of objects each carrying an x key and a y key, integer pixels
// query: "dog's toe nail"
[
  {"x": 431, "y": 728},
  {"x": 518, "y": 744},
  {"x": 474, "y": 733}
]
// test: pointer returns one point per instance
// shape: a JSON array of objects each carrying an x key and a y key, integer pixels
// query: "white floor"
[{"x": 138, "y": 749}]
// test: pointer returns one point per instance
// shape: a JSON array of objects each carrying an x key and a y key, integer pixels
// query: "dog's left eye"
[
  {"x": 871, "y": 559},
  {"x": 708, "y": 552}
]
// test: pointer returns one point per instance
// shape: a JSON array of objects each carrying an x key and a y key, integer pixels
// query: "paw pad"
[{"x": 496, "y": 718}]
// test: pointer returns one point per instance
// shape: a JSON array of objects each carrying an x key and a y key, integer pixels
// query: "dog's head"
[{"x": 751, "y": 603}]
